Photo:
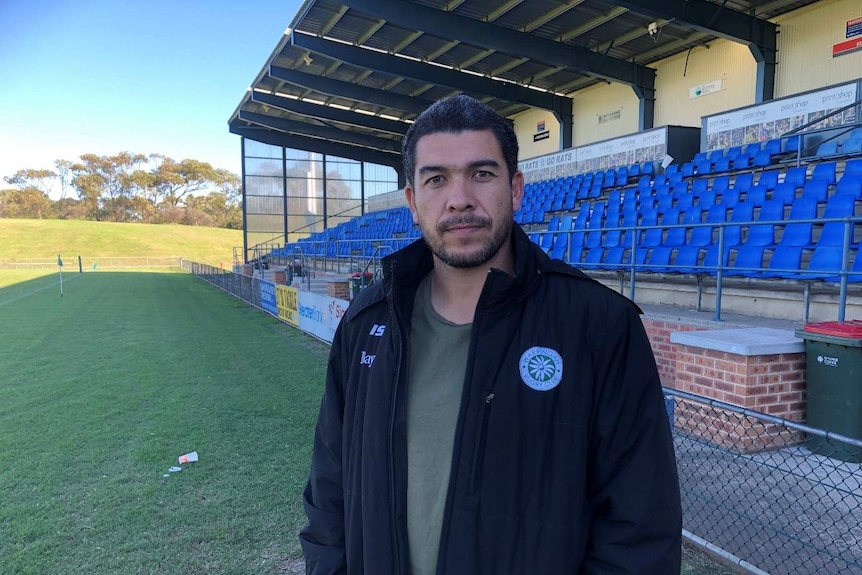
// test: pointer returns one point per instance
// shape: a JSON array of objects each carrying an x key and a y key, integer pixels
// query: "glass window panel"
[
  {"x": 265, "y": 223},
  {"x": 255, "y": 149},
  {"x": 264, "y": 205},
  {"x": 344, "y": 170},
  {"x": 263, "y": 167},
  {"x": 340, "y": 189},
  {"x": 302, "y": 155},
  {"x": 263, "y": 186}
]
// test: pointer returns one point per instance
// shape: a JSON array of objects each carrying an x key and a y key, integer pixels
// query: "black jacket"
[{"x": 573, "y": 478}]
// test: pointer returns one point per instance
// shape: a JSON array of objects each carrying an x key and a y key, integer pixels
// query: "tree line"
[{"x": 126, "y": 187}]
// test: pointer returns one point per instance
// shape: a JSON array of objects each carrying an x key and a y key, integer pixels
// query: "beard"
[{"x": 479, "y": 255}]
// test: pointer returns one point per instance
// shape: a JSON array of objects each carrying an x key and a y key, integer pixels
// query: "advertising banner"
[
  {"x": 287, "y": 304},
  {"x": 623, "y": 151},
  {"x": 319, "y": 314},
  {"x": 267, "y": 297},
  {"x": 775, "y": 118}
]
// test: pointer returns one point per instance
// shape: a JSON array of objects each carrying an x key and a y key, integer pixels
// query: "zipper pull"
[{"x": 489, "y": 397}]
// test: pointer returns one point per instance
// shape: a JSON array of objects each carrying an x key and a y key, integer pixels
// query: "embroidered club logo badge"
[{"x": 541, "y": 368}]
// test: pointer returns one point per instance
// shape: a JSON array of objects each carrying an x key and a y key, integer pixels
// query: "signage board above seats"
[
  {"x": 648, "y": 146},
  {"x": 775, "y": 118}
]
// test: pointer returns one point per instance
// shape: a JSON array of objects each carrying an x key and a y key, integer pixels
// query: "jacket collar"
[{"x": 404, "y": 269}]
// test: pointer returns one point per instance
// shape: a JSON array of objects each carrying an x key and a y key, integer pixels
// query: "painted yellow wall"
[
  {"x": 727, "y": 62},
  {"x": 603, "y": 100},
  {"x": 525, "y": 129},
  {"x": 805, "y": 59}
]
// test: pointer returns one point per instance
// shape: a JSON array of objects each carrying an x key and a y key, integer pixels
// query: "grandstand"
[{"x": 667, "y": 151}]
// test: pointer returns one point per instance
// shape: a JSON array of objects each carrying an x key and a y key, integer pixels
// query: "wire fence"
[
  {"x": 781, "y": 496},
  {"x": 768, "y": 494},
  {"x": 94, "y": 262}
]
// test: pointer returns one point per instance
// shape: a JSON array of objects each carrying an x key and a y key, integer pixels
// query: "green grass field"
[
  {"x": 21, "y": 239},
  {"x": 103, "y": 388}
]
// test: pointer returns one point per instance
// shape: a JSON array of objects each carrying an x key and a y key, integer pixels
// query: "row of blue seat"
[{"x": 782, "y": 262}]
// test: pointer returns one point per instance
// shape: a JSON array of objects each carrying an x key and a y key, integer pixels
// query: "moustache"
[{"x": 470, "y": 220}]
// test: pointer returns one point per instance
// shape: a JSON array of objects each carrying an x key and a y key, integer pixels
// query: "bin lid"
[{"x": 849, "y": 329}]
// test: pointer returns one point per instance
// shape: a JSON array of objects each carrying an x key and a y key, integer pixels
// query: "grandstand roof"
[{"x": 349, "y": 75}]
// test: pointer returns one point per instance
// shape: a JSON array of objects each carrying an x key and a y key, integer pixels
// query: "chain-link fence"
[
  {"x": 782, "y": 496},
  {"x": 244, "y": 287}
]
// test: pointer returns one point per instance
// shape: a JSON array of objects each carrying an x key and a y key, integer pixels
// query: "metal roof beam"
[
  {"x": 331, "y": 113},
  {"x": 321, "y": 132},
  {"x": 315, "y": 145},
  {"x": 505, "y": 40},
  {"x": 422, "y": 72},
  {"x": 711, "y": 18},
  {"x": 350, "y": 91}
]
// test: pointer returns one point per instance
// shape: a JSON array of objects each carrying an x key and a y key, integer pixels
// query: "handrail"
[{"x": 723, "y": 252}]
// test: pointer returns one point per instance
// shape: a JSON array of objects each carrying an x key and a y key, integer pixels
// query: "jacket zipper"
[
  {"x": 392, "y": 482},
  {"x": 480, "y": 443}
]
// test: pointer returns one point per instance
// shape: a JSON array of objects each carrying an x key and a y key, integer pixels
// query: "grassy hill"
[{"x": 44, "y": 239}]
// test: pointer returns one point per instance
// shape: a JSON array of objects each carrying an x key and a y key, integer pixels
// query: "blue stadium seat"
[
  {"x": 797, "y": 175},
  {"x": 799, "y": 234},
  {"x": 850, "y": 185},
  {"x": 785, "y": 263},
  {"x": 688, "y": 169},
  {"x": 722, "y": 164},
  {"x": 817, "y": 189},
  {"x": 744, "y": 182},
  {"x": 769, "y": 179},
  {"x": 825, "y": 264},
  {"x": 593, "y": 258},
  {"x": 732, "y": 152},
  {"x": 773, "y": 147},
  {"x": 561, "y": 244},
  {"x": 742, "y": 161},
  {"x": 699, "y": 186},
  {"x": 743, "y": 213},
  {"x": 720, "y": 184},
  {"x": 762, "y": 159},
  {"x": 730, "y": 197},
  {"x": 752, "y": 148},
  {"x": 615, "y": 258},
  {"x": 826, "y": 171},
  {"x": 785, "y": 192},
  {"x": 791, "y": 144},
  {"x": 856, "y": 269},
  {"x": 748, "y": 261},
  {"x": 703, "y": 167},
  {"x": 764, "y": 234},
  {"x": 711, "y": 259},
  {"x": 687, "y": 259},
  {"x": 852, "y": 146},
  {"x": 838, "y": 206},
  {"x": 554, "y": 224},
  {"x": 853, "y": 167},
  {"x": 658, "y": 259},
  {"x": 829, "y": 148},
  {"x": 756, "y": 195},
  {"x": 671, "y": 169}
]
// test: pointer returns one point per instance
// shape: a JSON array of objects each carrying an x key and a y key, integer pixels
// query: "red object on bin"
[{"x": 849, "y": 329}]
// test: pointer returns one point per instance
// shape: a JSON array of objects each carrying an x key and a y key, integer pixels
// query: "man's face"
[{"x": 462, "y": 197}]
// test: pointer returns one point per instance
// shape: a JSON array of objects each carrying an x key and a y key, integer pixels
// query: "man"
[{"x": 487, "y": 410}]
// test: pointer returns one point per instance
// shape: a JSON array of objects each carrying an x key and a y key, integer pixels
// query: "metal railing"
[
  {"x": 725, "y": 264},
  {"x": 779, "y": 495},
  {"x": 94, "y": 262}
]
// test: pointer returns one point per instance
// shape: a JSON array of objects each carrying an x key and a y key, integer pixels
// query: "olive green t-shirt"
[{"x": 438, "y": 358}]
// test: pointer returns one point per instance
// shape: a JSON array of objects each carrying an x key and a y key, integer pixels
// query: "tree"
[
  {"x": 106, "y": 185},
  {"x": 26, "y": 203},
  {"x": 175, "y": 181},
  {"x": 40, "y": 180}
]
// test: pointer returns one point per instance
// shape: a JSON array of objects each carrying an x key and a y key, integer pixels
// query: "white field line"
[{"x": 56, "y": 284}]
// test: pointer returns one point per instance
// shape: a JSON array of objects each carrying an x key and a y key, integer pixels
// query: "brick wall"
[
  {"x": 338, "y": 288},
  {"x": 659, "y": 332}
]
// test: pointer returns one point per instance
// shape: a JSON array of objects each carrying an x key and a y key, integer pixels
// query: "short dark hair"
[{"x": 457, "y": 114}]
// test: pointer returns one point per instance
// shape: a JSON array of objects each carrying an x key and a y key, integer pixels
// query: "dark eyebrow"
[{"x": 484, "y": 163}]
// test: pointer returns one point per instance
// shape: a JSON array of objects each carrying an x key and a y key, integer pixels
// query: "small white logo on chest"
[{"x": 367, "y": 359}]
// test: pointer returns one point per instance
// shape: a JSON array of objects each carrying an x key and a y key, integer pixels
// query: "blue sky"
[{"x": 156, "y": 76}]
